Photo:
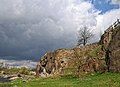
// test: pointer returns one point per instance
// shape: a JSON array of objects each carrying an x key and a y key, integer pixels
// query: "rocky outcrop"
[
  {"x": 95, "y": 57},
  {"x": 76, "y": 60},
  {"x": 110, "y": 42}
]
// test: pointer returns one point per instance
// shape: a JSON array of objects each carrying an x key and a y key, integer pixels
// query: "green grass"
[{"x": 97, "y": 80}]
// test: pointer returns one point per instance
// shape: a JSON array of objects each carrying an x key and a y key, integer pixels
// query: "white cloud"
[
  {"x": 108, "y": 18},
  {"x": 18, "y": 63},
  {"x": 116, "y": 2}
]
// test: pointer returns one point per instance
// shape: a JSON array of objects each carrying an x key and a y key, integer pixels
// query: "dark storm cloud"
[{"x": 29, "y": 28}]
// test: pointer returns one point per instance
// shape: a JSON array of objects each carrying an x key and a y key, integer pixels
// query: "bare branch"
[{"x": 84, "y": 34}]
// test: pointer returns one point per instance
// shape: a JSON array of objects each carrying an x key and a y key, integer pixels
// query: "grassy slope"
[{"x": 97, "y": 80}]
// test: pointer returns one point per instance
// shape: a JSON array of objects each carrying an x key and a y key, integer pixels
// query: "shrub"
[{"x": 24, "y": 70}]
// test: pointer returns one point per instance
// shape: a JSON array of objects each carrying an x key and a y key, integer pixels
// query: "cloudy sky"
[{"x": 29, "y": 28}]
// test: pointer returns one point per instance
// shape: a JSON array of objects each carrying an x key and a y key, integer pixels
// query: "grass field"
[{"x": 97, "y": 80}]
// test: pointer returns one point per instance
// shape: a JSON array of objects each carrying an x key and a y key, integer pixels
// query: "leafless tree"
[{"x": 84, "y": 34}]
